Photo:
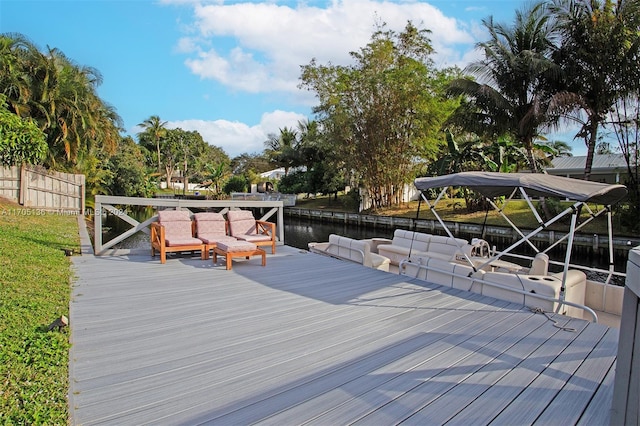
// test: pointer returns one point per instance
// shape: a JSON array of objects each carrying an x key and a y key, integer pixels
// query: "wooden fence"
[{"x": 38, "y": 188}]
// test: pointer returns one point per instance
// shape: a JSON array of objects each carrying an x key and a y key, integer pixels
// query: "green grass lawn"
[{"x": 35, "y": 279}]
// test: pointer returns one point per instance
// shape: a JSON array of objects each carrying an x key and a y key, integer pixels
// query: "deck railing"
[
  {"x": 104, "y": 203},
  {"x": 626, "y": 391}
]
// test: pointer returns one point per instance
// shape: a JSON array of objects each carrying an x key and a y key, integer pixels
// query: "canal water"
[{"x": 299, "y": 232}]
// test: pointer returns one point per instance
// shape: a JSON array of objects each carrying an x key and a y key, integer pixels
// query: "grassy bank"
[
  {"x": 454, "y": 210},
  {"x": 35, "y": 278}
]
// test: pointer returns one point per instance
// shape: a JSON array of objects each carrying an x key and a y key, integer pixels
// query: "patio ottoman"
[{"x": 231, "y": 249}]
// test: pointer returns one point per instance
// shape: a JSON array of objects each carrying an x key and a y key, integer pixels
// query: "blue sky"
[{"x": 230, "y": 69}]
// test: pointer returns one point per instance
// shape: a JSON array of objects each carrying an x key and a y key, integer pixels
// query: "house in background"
[
  {"x": 607, "y": 168},
  {"x": 275, "y": 174}
]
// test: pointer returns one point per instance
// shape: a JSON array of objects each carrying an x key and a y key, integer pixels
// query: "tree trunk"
[
  {"x": 591, "y": 147},
  {"x": 185, "y": 179},
  {"x": 533, "y": 166},
  {"x": 169, "y": 176},
  {"x": 158, "y": 149}
]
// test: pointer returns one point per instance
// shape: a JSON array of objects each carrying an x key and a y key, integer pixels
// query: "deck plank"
[{"x": 305, "y": 339}]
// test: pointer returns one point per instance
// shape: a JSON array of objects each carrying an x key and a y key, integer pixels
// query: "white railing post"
[{"x": 97, "y": 221}]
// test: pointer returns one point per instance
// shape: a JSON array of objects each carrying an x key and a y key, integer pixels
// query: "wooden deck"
[{"x": 310, "y": 339}]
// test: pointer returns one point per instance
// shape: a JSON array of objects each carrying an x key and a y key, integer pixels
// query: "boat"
[{"x": 534, "y": 280}]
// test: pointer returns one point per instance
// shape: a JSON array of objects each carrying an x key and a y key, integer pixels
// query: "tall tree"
[
  {"x": 15, "y": 80},
  {"x": 154, "y": 130},
  {"x": 625, "y": 120},
  {"x": 598, "y": 54},
  {"x": 61, "y": 97},
  {"x": 129, "y": 176},
  {"x": 282, "y": 149},
  {"x": 383, "y": 112},
  {"x": 181, "y": 148},
  {"x": 509, "y": 95}
]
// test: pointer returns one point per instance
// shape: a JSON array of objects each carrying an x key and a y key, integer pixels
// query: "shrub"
[{"x": 235, "y": 184}]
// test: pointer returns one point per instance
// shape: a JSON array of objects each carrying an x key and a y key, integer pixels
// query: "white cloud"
[
  {"x": 259, "y": 47},
  {"x": 237, "y": 138}
]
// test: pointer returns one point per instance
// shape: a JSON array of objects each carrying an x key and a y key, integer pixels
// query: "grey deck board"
[{"x": 309, "y": 339}]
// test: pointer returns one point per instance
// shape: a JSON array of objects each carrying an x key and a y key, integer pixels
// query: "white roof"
[
  {"x": 275, "y": 173},
  {"x": 602, "y": 163}
]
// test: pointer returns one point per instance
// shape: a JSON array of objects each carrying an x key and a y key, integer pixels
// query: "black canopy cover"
[{"x": 494, "y": 184}]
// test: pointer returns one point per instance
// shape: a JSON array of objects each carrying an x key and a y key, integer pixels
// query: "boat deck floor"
[{"x": 312, "y": 340}]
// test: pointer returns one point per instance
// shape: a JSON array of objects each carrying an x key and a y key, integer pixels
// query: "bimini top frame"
[{"x": 493, "y": 184}]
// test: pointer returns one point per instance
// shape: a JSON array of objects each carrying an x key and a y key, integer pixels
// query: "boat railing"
[
  {"x": 500, "y": 286},
  {"x": 574, "y": 266}
]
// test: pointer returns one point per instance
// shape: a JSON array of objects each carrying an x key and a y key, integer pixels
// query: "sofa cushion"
[
  {"x": 236, "y": 246},
  {"x": 440, "y": 272},
  {"x": 177, "y": 241},
  {"x": 215, "y": 238},
  {"x": 411, "y": 240},
  {"x": 357, "y": 251},
  {"x": 210, "y": 224},
  {"x": 253, "y": 237},
  {"x": 177, "y": 228},
  {"x": 464, "y": 278},
  {"x": 447, "y": 247},
  {"x": 360, "y": 252},
  {"x": 241, "y": 222},
  {"x": 418, "y": 244},
  {"x": 173, "y": 216}
]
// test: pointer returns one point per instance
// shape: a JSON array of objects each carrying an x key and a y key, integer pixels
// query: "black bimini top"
[{"x": 494, "y": 184}]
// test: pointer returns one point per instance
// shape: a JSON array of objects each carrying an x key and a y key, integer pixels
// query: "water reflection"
[{"x": 299, "y": 232}]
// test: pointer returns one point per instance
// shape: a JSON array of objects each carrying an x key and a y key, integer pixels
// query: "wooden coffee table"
[{"x": 238, "y": 249}]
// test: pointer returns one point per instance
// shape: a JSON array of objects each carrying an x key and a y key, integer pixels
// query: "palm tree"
[
  {"x": 510, "y": 96},
  {"x": 154, "y": 128},
  {"x": 60, "y": 96},
  {"x": 559, "y": 149},
  {"x": 598, "y": 54},
  {"x": 282, "y": 148},
  {"x": 15, "y": 81},
  {"x": 214, "y": 175},
  {"x": 462, "y": 157}
]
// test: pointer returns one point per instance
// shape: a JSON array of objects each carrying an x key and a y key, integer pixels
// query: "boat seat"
[{"x": 353, "y": 250}]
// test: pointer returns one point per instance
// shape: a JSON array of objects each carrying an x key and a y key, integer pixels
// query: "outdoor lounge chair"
[
  {"x": 211, "y": 228},
  {"x": 173, "y": 232},
  {"x": 243, "y": 226}
]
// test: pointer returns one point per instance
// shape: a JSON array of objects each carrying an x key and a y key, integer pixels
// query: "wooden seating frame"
[
  {"x": 229, "y": 255},
  {"x": 158, "y": 243},
  {"x": 260, "y": 227}
]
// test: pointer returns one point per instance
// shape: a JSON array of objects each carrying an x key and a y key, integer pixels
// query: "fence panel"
[
  {"x": 10, "y": 183},
  {"x": 39, "y": 188}
]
